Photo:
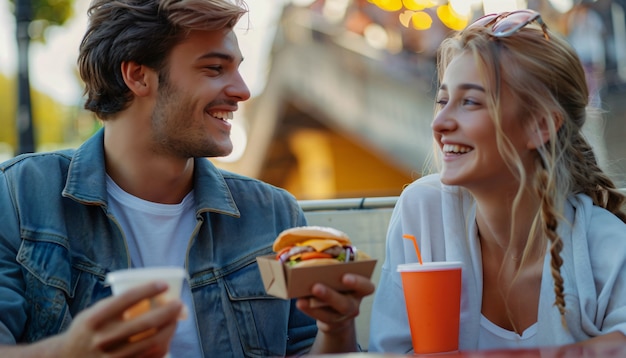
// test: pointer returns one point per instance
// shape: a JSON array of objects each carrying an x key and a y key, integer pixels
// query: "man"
[{"x": 163, "y": 76}]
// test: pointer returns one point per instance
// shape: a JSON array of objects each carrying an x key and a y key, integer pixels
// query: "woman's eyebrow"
[{"x": 464, "y": 86}]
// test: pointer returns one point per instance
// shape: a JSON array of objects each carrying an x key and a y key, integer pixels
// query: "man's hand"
[
  {"x": 102, "y": 330},
  {"x": 335, "y": 313}
]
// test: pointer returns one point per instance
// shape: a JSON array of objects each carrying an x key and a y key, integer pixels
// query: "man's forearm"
[
  {"x": 336, "y": 342},
  {"x": 46, "y": 348}
]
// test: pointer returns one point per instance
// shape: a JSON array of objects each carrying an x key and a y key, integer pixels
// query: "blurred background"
[{"x": 342, "y": 90}]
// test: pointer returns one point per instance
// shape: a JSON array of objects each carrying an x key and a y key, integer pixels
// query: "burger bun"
[{"x": 292, "y": 236}]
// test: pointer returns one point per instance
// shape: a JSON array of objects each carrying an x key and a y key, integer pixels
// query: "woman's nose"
[{"x": 443, "y": 122}]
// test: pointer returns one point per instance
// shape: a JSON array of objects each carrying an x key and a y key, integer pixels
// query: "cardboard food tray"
[{"x": 290, "y": 282}]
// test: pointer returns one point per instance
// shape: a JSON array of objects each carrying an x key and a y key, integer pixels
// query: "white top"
[
  {"x": 158, "y": 235},
  {"x": 442, "y": 219},
  {"x": 493, "y": 336}
]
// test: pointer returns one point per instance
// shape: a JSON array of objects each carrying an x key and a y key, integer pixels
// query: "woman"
[{"x": 520, "y": 199}]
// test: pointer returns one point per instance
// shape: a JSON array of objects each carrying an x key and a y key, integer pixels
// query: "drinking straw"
[{"x": 417, "y": 250}]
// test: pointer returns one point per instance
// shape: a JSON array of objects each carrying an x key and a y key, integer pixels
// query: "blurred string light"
[
  {"x": 494, "y": 6},
  {"x": 419, "y": 4},
  {"x": 465, "y": 8},
  {"x": 419, "y": 20},
  {"x": 455, "y": 14},
  {"x": 335, "y": 10},
  {"x": 376, "y": 36},
  {"x": 451, "y": 18},
  {"x": 414, "y": 16},
  {"x": 562, "y": 6},
  {"x": 388, "y": 5}
]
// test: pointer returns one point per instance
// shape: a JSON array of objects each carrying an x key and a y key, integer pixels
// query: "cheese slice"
[{"x": 319, "y": 245}]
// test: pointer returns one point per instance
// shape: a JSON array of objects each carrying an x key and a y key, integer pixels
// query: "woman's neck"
[{"x": 504, "y": 226}]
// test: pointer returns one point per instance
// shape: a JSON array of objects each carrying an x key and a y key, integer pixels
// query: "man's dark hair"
[{"x": 143, "y": 31}]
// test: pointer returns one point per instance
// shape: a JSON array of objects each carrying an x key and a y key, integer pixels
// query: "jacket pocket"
[
  {"x": 57, "y": 286},
  {"x": 261, "y": 320}
]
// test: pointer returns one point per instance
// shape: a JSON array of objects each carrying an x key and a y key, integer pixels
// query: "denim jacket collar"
[{"x": 87, "y": 177}]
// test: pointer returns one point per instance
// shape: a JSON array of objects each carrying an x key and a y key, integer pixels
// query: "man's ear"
[
  {"x": 540, "y": 133},
  {"x": 138, "y": 78}
]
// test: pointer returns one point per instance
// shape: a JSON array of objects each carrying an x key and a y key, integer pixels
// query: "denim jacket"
[{"x": 58, "y": 240}]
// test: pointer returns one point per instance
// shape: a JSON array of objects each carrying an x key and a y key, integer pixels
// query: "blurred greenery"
[
  {"x": 57, "y": 125},
  {"x": 7, "y": 111},
  {"x": 46, "y": 13}
]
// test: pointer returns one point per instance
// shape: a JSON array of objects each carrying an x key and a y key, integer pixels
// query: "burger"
[{"x": 315, "y": 245}]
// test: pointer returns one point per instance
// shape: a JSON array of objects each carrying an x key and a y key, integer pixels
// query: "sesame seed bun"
[{"x": 295, "y": 235}]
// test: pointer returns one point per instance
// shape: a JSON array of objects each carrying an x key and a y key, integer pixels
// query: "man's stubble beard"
[{"x": 171, "y": 113}]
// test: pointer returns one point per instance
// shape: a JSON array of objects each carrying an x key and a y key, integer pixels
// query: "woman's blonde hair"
[{"x": 546, "y": 76}]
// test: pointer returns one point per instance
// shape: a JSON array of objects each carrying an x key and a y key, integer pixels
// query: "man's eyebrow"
[
  {"x": 464, "y": 86},
  {"x": 219, "y": 55}
]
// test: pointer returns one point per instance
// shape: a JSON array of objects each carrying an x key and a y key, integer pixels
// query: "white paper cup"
[{"x": 123, "y": 280}]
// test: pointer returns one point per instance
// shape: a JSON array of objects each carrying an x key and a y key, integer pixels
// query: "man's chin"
[
  {"x": 215, "y": 149},
  {"x": 227, "y": 151},
  {"x": 222, "y": 151}
]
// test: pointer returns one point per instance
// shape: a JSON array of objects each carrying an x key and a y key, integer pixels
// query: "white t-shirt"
[{"x": 158, "y": 235}]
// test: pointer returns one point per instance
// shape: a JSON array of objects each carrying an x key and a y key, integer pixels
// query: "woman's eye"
[{"x": 442, "y": 102}]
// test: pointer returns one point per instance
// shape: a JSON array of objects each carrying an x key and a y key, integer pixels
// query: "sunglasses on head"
[{"x": 506, "y": 24}]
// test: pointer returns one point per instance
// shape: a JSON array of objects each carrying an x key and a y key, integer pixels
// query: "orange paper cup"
[{"x": 432, "y": 292}]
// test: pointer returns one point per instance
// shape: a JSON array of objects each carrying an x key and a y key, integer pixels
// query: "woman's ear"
[
  {"x": 138, "y": 78},
  {"x": 539, "y": 134}
]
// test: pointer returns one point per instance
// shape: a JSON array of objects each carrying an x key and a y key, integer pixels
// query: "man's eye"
[{"x": 217, "y": 69}]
